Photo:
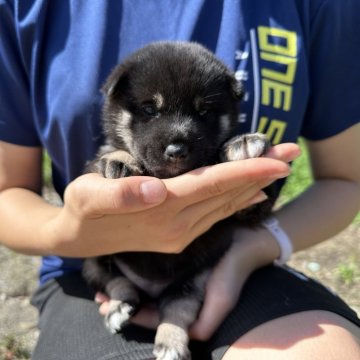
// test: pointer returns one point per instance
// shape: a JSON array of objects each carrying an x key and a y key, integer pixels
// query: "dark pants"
[{"x": 71, "y": 327}]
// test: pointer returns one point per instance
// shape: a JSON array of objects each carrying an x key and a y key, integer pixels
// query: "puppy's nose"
[{"x": 176, "y": 152}]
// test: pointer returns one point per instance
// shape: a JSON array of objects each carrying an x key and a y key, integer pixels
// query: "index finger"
[
  {"x": 286, "y": 152},
  {"x": 204, "y": 183}
]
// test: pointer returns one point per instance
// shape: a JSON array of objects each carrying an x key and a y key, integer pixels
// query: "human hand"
[
  {"x": 102, "y": 216},
  {"x": 228, "y": 277},
  {"x": 251, "y": 249}
]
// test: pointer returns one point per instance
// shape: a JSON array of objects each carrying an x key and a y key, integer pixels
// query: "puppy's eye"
[
  {"x": 150, "y": 110},
  {"x": 203, "y": 112}
]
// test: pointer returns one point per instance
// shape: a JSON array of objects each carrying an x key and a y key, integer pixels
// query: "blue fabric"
[{"x": 293, "y": 56}]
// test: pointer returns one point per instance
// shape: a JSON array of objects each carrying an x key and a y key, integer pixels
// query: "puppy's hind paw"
[
  {"x": 245, "y": 146},
  {"x": 118, "y": 315},
  {"x": 162, "y": 352},
  {"x": 171, "y": 343}
]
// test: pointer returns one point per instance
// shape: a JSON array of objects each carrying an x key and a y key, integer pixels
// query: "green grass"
[
  {"x": 12, "y": 349},
  {"x": 348, "y": 272},
  {"x": 46, "y": 169},
  {"x": 357, "y": 218},
  {"x": 300, "y": 178}
]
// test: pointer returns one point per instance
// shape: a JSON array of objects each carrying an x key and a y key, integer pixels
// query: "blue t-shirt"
[{"x": 298, "y": 60}]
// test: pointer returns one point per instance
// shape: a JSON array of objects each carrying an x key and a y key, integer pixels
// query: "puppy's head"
[{"x": 171, "y": 105}]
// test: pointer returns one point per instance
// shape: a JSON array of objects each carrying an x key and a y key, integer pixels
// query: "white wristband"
[{"x": 286, "y": 248}]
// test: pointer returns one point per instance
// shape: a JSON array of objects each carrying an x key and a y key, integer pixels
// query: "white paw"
[
  {"x": 117, "y": 164},
  {"x": 118, "y": 315},
  {"x": 171, "y": 343},
  {"x": 246, "y": 146},
  {"x": 162, "y": 352}
]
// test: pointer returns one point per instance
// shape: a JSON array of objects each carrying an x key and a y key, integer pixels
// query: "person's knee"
[{"x": 306, "y": 335}]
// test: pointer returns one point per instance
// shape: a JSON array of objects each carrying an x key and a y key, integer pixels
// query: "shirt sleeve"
[
  {"x": 334, "y": 70},
  {"x": 16, "y": 118}
]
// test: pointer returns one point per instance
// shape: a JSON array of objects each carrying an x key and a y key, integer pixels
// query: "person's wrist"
[
  {"x": 273, "y": 226},
  {"x": 261, "y": 247},
  {"x": 63, "y": 232},
  {"x": 51, "y": 235}
]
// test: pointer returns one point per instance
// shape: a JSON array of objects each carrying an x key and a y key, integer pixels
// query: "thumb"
[
  {"x": 222, "y": 293},
  {"x": 216, "y": 308},
  {"x": 93, "y": 195}
]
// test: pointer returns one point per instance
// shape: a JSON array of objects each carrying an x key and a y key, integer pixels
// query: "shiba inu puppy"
[{"x": 169, "y": 108}]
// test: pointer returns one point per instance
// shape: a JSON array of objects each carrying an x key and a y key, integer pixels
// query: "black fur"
[{"x": 169, "y": 108}]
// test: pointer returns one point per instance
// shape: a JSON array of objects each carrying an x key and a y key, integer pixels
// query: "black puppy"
[{"x": 169, "y": 108}]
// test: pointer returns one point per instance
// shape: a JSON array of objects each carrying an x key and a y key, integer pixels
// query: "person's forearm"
[
  {"x": 23, "y": 215},
  {"x": 321, "y": 212}
]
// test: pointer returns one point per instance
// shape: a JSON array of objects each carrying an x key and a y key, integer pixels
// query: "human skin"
[{"x": 102, "y": 216}]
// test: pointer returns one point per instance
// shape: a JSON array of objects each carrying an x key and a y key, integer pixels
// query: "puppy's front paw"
[
  {"x": 245, "y": 146},
  {"x": 171, "y": 343},
  {"x": 118, "y": 164},
  {"x": 118, "y": 315},
  {"x": 112, "y": 169}
]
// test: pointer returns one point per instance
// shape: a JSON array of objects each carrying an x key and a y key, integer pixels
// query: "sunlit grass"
[
  {"x": 349, "y": 272},
  {"x": 46, "y": 170},
  {"x": 300, "y": 178},
  {"x": 13, "y": 349}
]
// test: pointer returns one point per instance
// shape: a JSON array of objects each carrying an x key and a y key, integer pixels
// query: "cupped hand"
[
  {"x": 226, "y": 281},
  {"x": 102, "y": 216}
]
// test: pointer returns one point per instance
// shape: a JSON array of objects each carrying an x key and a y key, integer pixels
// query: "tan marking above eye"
[{"x": 159, "y": 100}]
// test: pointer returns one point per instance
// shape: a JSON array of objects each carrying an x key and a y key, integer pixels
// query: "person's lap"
[
  {"x": 71, "y": 327},
  {"x": 314, "y": 334}
]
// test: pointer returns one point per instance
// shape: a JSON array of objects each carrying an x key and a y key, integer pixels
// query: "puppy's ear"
[
  {"x": 116, "y": 83},
  {"x": 237, "y": 89}
]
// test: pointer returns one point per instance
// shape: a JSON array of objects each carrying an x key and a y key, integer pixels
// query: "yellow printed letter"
[
  {"x": 282, "y": 94},
  {"x": 287, "y": 47}
]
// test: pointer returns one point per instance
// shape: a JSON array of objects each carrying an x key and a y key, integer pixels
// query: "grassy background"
[
  {"x": 46, "y": 169},
  {"x": 300, "y": 178}
]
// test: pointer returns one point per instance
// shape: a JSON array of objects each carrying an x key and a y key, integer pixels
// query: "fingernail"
[
  {"x": 153, "y": 191},
  {"x": 258, "y": 198}
]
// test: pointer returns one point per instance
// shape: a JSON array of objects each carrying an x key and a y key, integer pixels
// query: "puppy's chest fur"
[{"x": 152, "y": 272}]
